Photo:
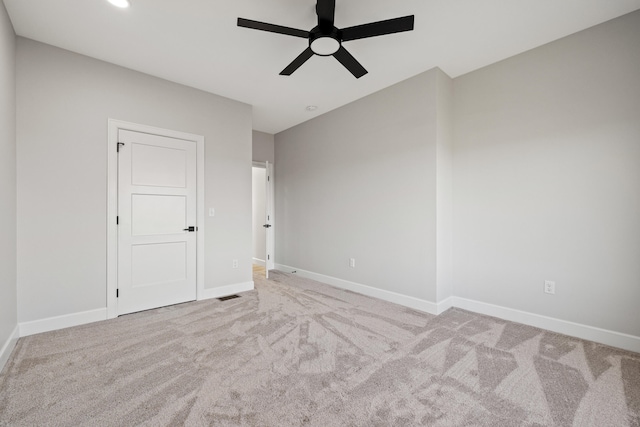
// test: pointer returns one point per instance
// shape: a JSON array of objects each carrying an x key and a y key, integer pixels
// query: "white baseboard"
[
  {"x": 394, "y": 297},
  {"x": 76, "y": 319},
  {"x": 224, "y": 291},
  {"x": 8, "y": 346},
  {"x": 259, "y": 262},
  {"x": 445, "y": 305},
  {"x": 590, "y": 333},
  {"x": 61, "y": 322}
]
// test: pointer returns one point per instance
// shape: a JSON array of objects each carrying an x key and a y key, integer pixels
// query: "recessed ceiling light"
[
  {"x": 311, "y": 107},
  {"x": 120, "y": 3}
]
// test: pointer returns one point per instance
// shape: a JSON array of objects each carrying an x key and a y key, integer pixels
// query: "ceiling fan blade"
[
  {"x": 326, "y": 10},
  {"x": 380, "y": 28},
  {"x": 263, "y": 26},
  {"x": 350, "y": 62},
  {"x": 297, "y": 63}
]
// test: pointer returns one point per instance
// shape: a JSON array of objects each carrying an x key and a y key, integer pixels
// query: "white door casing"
[
  {"x": 156, "y": 208},
  {"x": 114, "y": 127},
  {"x": 269, "y": 261}
]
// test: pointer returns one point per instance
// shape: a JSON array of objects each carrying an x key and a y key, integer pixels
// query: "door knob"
[
  {"x": 191, "y": 229},
  {"x": 267, "y": 225}
]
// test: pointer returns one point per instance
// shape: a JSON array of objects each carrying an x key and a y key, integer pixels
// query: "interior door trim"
[
  {"x": 269, "y": 262},
  {"x": 112, "y": 205}
]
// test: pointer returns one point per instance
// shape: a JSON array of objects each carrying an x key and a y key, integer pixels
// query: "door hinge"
[
  {"x": 120, "y": 144},
  {"x": 117, "y": 293},
  {"x": 117, "y": 220},
  {"x": 268, "y": 178},
  {"x": 268, "y": 257}
]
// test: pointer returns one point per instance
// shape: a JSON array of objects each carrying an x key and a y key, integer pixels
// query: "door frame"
[
  {"x": 270, "y": 262},
  {"x": 112, "y": 205},
  {"x": 259, "y": 165},
  {"x": 269, "y": 207}
]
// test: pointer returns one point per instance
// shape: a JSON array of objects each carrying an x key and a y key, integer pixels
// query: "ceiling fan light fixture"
[
  {"x": 120, "y": 3},
  {"x": 326, "y": 39},
  {"x": 324, "y": 46}
]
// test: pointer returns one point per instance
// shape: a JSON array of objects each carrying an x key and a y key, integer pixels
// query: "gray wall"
[
  {"x": 361, "y": 182},
  {"x": 547, "y": 179},
  {"x": 444, "y": 186},
  {"x": 263, "y": 147},
  {"x": 8, "y": 307},
  {"x": 536, "y": 176},
  {"x": 63, "y": 103}
]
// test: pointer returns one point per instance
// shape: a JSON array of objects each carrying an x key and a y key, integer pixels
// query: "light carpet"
[{"x": 296, "y": 352}]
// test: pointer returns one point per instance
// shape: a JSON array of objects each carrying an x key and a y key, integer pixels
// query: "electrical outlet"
[
  {"x": 235, "y": 263},
  {"x": 352, "y": 262},
  {"x": 549, "y": 287}
]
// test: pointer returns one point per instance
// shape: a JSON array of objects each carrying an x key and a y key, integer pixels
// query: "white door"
[
  {"x": 156, "y": 221},
  {"x": 269, "y": 262}
]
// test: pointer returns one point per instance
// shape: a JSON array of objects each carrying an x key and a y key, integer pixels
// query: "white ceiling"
[{"x": 197, "y": 42}]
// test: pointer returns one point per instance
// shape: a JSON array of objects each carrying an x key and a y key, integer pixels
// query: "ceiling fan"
[{"x": 326, "y": 40}]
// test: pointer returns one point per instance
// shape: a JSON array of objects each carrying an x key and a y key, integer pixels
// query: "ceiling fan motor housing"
[{"x": 323, "y": 42}]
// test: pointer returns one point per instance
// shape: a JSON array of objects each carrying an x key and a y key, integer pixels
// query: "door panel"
[
  {"x": 156, "y": 203},
  {"x": 158, "y": 166},
  {"x": 145, "y": 221},
  {"x": 157, "y": 264}
]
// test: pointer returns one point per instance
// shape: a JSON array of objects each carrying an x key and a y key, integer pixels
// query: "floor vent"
[{"x": 229, "y": 297}]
